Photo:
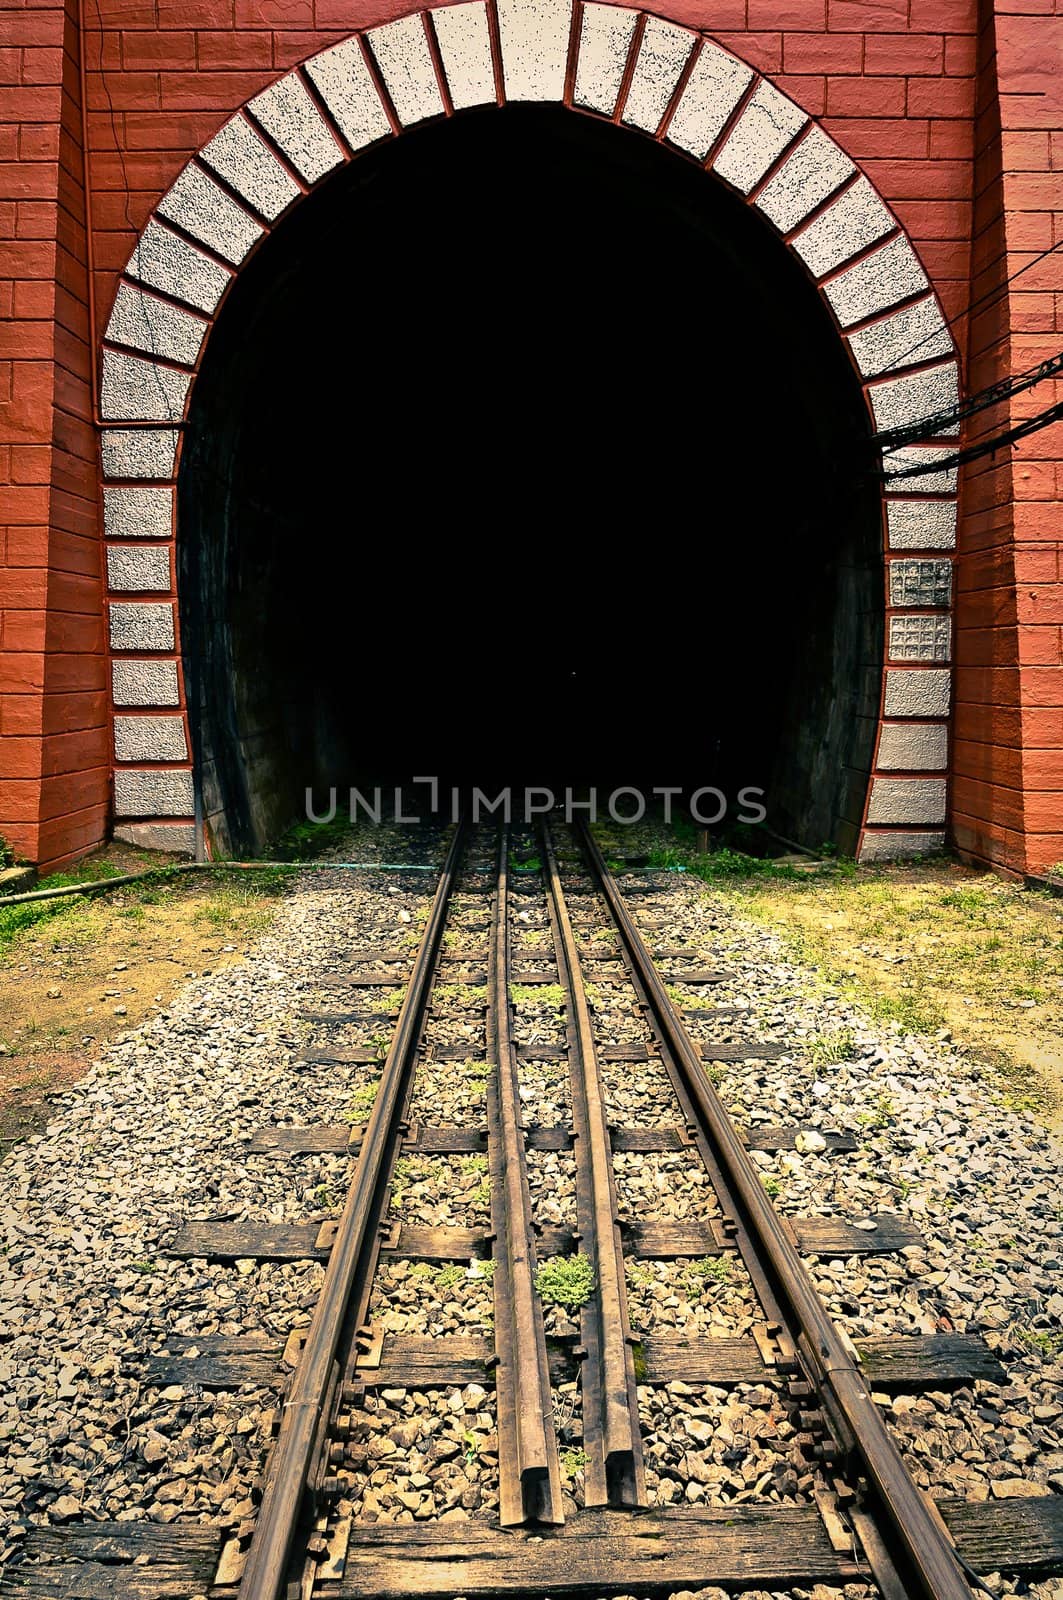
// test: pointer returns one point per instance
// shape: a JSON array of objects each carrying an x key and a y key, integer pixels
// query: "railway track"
[{"x": 561, "y": 1373}]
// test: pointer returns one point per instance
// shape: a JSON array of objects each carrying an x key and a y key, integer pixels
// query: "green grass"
[
  {"x": 828, "y": 1049},
  {"x": 573, "y": 1462},
  {"x": 710, "y": 1269},
  {"x": 566, "y": 1281},
  {"x": 304, "y": 841},
  {"x": 538, "y": 994},
  {"x": 361, "y": 1103}
]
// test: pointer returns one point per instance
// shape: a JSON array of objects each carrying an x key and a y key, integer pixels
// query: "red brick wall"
[
  {"x": 53, "y": 712},
  {"x": 1008, "y": 754},
  {"x": 894, "y": 81}
]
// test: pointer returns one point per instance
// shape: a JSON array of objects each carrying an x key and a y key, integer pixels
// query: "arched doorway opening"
[{"x": 523, "y": 402}]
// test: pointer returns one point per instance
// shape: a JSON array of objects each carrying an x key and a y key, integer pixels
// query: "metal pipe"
[{"x": 174, "y": 869}]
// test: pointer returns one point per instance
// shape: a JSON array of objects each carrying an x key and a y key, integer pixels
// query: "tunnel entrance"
[{"x": 524, "y": 452}]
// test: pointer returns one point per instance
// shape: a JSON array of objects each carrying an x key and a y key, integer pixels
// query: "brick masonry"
[{"x": 879, "y": 141}]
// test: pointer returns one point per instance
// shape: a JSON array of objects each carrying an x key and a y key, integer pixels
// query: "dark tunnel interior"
[{"x": 523, "y": 452}]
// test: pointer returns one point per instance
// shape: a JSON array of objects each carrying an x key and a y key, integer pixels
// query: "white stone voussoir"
[
  {"x": 931, "y": 479},
  {"x": 877, "y": 283},
  {"x": 767, "y": 125},
  {"x": 915, "y": 334},
  {"x": 605, "y": 39},
  {"x": 917, "y": 398},
  {"x": 138, "y": 566},
  {"x": 150, "y": 739},
  {"x": 716, "y": 84},
  {"x": 165, "y": 261},
  {"x": 153, "y": 793},
  {"x": 288, "y": 114},
  {"x": 135, "y": 390},
  {"x": 142, "y": 321},
  {"x": 137, "y": 513},
  {"x": 913, "y": 692},
  {"x": 144, "y": 683},
  {"x": 662, "y": 56},
  {"x": 907, "y": 800},
  {"x": 202, "y": 208},
  {"x": 921, "y": 524},
  {"x": 885, "y": 845},
  {"x": 401, "y": 52},
  {"x": 141, "y": 625},
  {"x": 913, "y": 747},
  {"x": 139, "y": 452},
  {"x": 852, "y": 222},
  {"x": 240, "y": 155},
  {"x": 342, "y": 78},
  {"x": 812, "y": 172},
  {"x": 463, "y": 34},
  {"x": 534, "y": 35}
]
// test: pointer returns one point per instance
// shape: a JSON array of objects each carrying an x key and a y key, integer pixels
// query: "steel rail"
[
  {"x": 918, "y": 1536},
  {"x": 612, "y": 1438},
  {"x": 528, "y": 1465},
  {"x": 293, "y": 1455}
]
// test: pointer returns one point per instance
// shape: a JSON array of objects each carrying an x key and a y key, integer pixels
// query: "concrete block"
[
  {"x": 921, "y": 583},
  {"x": 534, "y": 38},
  {"x": 405, "y": 62},
  {"x": 153, "y": 793},
  {"x": 921, "y": 524},
  {"x": 176, "y": 838},
  {"x": 134, "y": 390},
  {"x": 241, "y": 156},
  {"x": 913, "y": 747},
  {"x": 934, "y": 479},
  {"x": 165, "y": 261},
  {"x": 907, "y": 800},
  {"x": 887, "y": 846},
  {"x": 137, "y": 513},
  {"x": 911, "y": 692},
  {"x": 138, "y": 566},
  {"x": 662, "y": 56},
  {"x": 144, "y": 322},
  {"x": 768, "y": 124},
  {"x": 139, "y": 452},
  {"x": 463, "y": 35},
  {"x": 913, "y": 335},
  {"x": 812, "y": 171},
  {"x": 877, "y": 283},
  {"x": 343, "y": 80},
  {"x": 924, "y": 637},
  {"x": 292, "y": 120},
  {"x": 910, "y": 401},
  {"x": 202, "y": 208},
  {"x": 144, "y": 683},
  {"x": 141, "y": 625},
  {"x": 716, "y": 84},
  {"x": 605, "y": 39},
  {"x": 150, "y": 739},
  {"x": 852, "y": 222}
]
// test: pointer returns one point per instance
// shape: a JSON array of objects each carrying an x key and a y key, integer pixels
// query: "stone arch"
[{"x": 634, "y": 68}]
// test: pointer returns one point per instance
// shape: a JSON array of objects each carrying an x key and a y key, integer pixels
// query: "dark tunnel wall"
[{"x": 526, "y": 404}]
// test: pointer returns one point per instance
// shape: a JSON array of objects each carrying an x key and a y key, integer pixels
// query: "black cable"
[
  {"x": 1034, "y": 424},
  {"x": 993, "y": 394}
]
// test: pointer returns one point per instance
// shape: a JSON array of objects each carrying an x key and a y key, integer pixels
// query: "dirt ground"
[
  {"x": 87, "y": 970},
  {"x": 938, "y": 947}
]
